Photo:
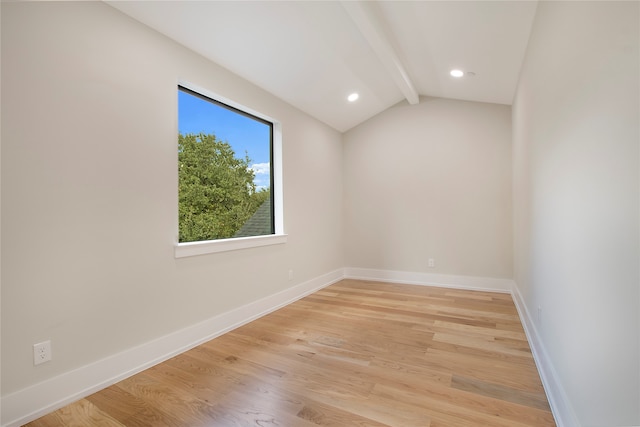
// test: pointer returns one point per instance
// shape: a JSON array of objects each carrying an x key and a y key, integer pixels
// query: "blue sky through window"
[{"x": 245, "y": 135}]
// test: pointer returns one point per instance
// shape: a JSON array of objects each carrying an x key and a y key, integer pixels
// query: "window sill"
[{"x": 188, "y": 249}]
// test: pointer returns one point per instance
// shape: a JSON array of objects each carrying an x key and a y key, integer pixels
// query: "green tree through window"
[{"x": 218, "y": 191}]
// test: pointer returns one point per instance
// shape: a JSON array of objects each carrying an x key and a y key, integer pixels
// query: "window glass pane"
[{"x": 225, "y": 171}]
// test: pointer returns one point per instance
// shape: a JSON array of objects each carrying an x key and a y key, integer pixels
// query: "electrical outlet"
[
  {"x": 290, "y": 274},
  {"x": 41, "y": 352},
  {"x": 432, "y": 263}
]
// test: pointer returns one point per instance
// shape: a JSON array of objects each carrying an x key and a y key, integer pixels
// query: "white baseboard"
[
  {"x": 40, "y": 399},
  {"x": 560, "y": 406},
  {"x": 35, "y": 401},
  {"x": 429, "y": 279}
]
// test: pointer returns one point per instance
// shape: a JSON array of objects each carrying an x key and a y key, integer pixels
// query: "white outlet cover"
[{"x": 41, "y": 352}]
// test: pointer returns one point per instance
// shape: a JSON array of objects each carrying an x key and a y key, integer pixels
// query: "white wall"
[
  {"x": 89, "y": 194},
  {"x": 430, "y": 181},
  {"x": 89, "y": 189},
  {"x": 576, "y": 199}
]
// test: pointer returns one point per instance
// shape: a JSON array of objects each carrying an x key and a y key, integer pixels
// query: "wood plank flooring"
[{"x": 356, "y": 353}]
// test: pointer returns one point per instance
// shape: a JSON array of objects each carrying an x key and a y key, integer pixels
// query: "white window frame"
[{"x": 187, "y": 249}]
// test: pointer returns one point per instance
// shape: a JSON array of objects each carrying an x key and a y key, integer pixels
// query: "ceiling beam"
[{"x": 372, "y": 26}]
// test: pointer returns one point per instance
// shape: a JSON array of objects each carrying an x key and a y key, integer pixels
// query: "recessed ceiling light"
[
  {"x": 353, "y": 97},
  {"x": 456, "y": 73}
]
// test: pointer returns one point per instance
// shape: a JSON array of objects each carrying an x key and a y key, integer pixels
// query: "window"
[{"x": 226, "y": 175}]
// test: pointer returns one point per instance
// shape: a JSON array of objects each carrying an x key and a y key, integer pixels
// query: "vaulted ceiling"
[{"x": 314, "y": 54}]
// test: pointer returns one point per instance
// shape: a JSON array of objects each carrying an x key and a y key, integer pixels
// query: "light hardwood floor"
[{"x": 353, "y": 354}]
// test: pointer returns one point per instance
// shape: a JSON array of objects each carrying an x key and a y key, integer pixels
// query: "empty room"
[{"x": 332, "y": 213}]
